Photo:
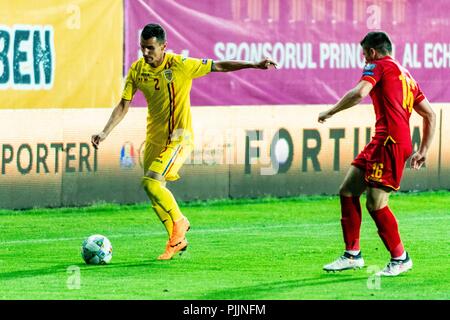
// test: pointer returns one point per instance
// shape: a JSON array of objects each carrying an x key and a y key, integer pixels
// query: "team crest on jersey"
[{"x": 168, "y": 75}]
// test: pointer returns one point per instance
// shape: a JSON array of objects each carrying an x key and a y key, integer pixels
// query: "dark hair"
[
  {"x": 154, "y": 30},
  {"x": 377, "y": 40}
]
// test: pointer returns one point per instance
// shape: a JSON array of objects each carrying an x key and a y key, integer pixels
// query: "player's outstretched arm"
[
  {"x": 423, "y": 108},
  {"x": 234, "y": 65},
  {"x": 117, "y": 115},
  {"x": 351, "y": 98}
]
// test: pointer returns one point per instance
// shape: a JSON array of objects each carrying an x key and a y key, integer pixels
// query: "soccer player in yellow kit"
[{"x": 165, "y": 80}]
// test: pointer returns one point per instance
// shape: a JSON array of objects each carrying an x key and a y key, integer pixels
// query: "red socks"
[
  {"x": 351, "y": 221},
  {"x": 388, "y": 230},
  {"x": 384, "y": 219}
]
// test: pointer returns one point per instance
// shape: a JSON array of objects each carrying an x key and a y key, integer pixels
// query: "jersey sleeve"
[
  {"x": 419, "y": 96},
  {"x": 196, "y": 68},
  {"x": 130, "y": 85},
  {"x": 372, "y": 72}
]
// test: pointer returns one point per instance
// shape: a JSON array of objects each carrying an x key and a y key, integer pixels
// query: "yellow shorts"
[{"x": 166, "y": 161}]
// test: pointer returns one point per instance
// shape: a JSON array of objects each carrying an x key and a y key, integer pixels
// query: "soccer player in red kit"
[{"x": 378, "y": 168}]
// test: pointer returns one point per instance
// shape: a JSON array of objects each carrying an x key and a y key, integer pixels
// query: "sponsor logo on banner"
[
  {"x": 46, "y": 54},
  {"x": 47, "y": 158},
  {"x": 27, "y": 57},
  {"x": 127, "y": 156}
]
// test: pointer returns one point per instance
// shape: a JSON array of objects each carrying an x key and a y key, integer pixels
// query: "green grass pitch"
[{"x": 249, "y": 249}]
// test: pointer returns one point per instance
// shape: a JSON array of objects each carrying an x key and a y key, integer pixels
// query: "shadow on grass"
[
  {"x": 263, "y": 290},
  {"x": 67, "y": 269}
]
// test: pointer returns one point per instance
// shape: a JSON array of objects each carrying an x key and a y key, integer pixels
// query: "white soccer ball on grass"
[{"x": 96, "y": 249}]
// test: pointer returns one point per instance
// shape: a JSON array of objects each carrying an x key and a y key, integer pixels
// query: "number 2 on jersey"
[{"x": 156, "y": 83}]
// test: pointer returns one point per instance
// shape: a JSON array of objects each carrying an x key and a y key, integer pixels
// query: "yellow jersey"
[{"x": 167, "y": 91}]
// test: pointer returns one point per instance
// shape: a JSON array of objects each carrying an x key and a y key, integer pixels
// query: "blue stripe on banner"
[{"x": 173, "y": 157}]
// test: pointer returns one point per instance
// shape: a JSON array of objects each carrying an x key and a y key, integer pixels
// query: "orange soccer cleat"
[
  {"x": 172, "y": 250},
  {"x": 180, "y": 228}
]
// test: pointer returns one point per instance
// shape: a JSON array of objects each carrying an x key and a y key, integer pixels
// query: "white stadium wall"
[{"x": 245, "y": 151}]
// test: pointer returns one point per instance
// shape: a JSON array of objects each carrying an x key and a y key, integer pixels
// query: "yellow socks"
[
  {"x": 165, "y": 218},
  {"x": 163, "y": 197}
]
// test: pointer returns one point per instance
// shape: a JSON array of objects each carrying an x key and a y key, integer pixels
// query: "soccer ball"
[{"x": 96, "y": 249}]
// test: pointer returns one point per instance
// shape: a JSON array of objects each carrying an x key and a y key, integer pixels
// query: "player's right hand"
[{"x": 97, "y": 138}]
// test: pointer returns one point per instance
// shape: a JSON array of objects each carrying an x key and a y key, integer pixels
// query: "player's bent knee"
[
  {"x": 344, "y": 191},
  {"x": 347, "y": 191},
  {"x": 374, "y": 205},
  {"x": 377, "y": 198},
  {"x": 370, "y": 206},
  {"x": 151, "y": 186}
]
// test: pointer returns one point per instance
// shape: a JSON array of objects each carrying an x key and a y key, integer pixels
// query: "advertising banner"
[
  {"x": 277, "y": 151},
  {"x": 60, "y": 54},
  {"x": 315, "y": 42}
]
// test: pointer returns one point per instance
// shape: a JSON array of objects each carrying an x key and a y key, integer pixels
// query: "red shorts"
[{"x": 383, "y": 162}]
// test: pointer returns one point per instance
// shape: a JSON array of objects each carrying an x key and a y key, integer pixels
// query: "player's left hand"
[
  {"x": 417, "y": 160},
  {"x": 323, "y": 116},
  {"x": 266, "y": 64}
]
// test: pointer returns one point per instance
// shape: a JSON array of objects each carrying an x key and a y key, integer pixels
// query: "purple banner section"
[{"x": 315, "y": 42}]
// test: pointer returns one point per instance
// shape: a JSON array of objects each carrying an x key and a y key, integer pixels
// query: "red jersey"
[{"x": 394, "y": 95}]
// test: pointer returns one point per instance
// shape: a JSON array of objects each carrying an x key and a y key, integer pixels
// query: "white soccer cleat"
[
  {"x": 396, "y": 267},
  {"x": 345, "y": 262}
]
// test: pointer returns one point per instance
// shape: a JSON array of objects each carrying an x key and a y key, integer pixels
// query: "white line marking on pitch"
[{"x": 298, "y": 227}]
